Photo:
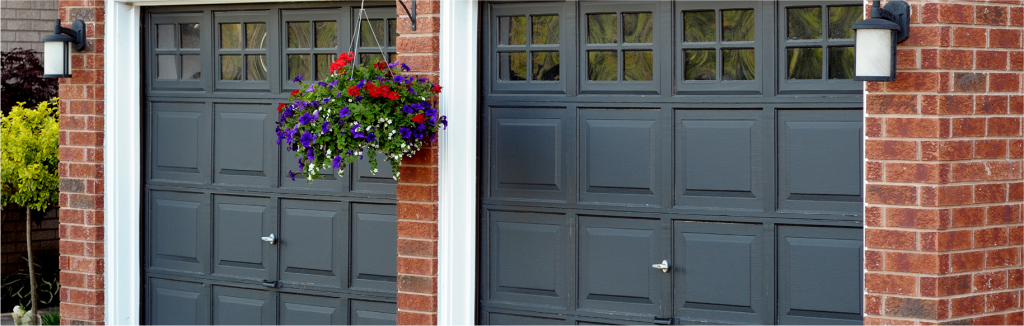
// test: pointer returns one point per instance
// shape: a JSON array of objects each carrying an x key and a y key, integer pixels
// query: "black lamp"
[
  {"x": 877, "y": 38},
  {"x": 57, "y": 49}
]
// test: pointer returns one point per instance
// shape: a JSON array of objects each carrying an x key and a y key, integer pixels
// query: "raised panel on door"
[
  {"x": 372, "y": 313},
  {"x": 329, "y": 181},
  {"x": 615, "y": 261},
  {"x": 179, "y": 231},
  {"x": 239, "y": 223},
  {"x": 528, "y": 261},
  {"x": 620, "y": 157},
  {"x": 245, "y": 148},
  {"x": 374, "y": 249},
  {"x": 719, "y": 159},
  {"x": 529, "y": 148},
  {"x": 314, "y": 243},
  {"x": 177, "y": 303},
  {"x": 820, "y": 275},
  {"x": 299, "y": 309},
  {"x": 365, "y": 181},
  {"x": 510, "y": 319},
  {"x": 719, "y": 274},
  {"x": 820, "y": 161},
  {"x": 238, "y": 306},
  {"x": 179, "y": 139}
]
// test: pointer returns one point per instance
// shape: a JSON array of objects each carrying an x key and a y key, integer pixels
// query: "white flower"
[{"x": 350, "y": 100}]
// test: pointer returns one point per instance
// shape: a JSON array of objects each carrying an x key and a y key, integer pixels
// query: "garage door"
[
  {"x": 720, "y": 138},
  {"x": 216, "y": 183}
]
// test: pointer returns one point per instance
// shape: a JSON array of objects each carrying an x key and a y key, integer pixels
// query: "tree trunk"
[{"x": 34, "y": 320}]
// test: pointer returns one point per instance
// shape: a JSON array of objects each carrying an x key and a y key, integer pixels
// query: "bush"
[
  {"x": 22, "y": 80},
  {"x": 28, "y": 153}
]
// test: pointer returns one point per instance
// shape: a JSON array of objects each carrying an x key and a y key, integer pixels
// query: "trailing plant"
[
  {"x": 356, "y": 112},
  {"x": 22, "y": 79}
]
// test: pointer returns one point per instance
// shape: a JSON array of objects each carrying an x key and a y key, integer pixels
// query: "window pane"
[
  {"x": 512, "y": 66},
  {"x": 602, "y": 28},
  {"x": 638, "y": 28},
  {"x": 841, "y": 20},
  {"x": 256, "y": 36},
  {"x": 231, "y": 67},
  {"x": 804, "y": 23},
  {"x": 545, "y": 29},
  {"x": 370, "y": 58},
  {"x": 190, "y": 36},
  {"x": 299, "y": 35},
  {"x": 512, "y": 30},
  {"x": 257, "y": 67},
  {"x": 738, "y": 64},
  {"x": 230, "y": 36},
  {"x": 166, "y": 67},
  {"x": 392, "y": 33},
  {"x": 165, "y": 36},
  {"x": 323, "y": 65},
  {"x": 191, "y": 66},
  {"x": 603, "y": 65},
  {"x": 738, "y": 25},
  {"x": 699, "y": 26},
  {"x": 700, "y": 65},
  {"x": 298, "y": 65},
  {"x": 840, "y": 62},
  {"x": 326, "y": 34},
  {"x": 393, "y": 56},
  {"x": 804, "y": 63},
  {"x": 371, "y": 33},
  {"x": 637, "y": 65},
  {"x": 545, "y": 66}
]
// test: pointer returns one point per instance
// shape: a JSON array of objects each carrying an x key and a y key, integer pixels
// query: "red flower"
[
  {"x": 393, "y": 96},
  {"x": 281, "y": 106},
  {"x": 343, "y": 60},
  {"x": 354, "y": 91},
  {"x": 436, "y": 88},
  {"x": 381, "y": 65},
  {"x": 418, "y": 118},
  {"x": 295, "y": 93}
]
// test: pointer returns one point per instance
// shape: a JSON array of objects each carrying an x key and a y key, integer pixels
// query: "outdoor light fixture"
[
  {"x": 57, "y": 49},
  {"x": 877, "y": 38}
]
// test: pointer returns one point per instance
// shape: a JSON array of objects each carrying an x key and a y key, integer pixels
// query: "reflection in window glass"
[
  {"x": 326, "y": 34},
  {"x": 299, "y": 35},
  {"x": 512, "y": 66},
  {"x": 638, "y": 27},
  {"x": 699, "y": 26},
  {"x": 323, "y": 65},
  {"x": 738, "y": 64},
  {"x": 257, "y": 65},
  {"x": 299, "y": 65},
  {"x": 738, "y": 25},
  {"x": 700, "y": 65},
  {"x": 545, "y": 66},
  {"x": 392, "y": 33},
  {"x": 371, "y": 33},
  {"x": 165, "y": 36},
  {"x": 602, "y": 28},
  {"x": 602, "y": 65},
  {"x": 841, "y": 20},
  {"x": 191, "y": 66},
  {"x": 804, "y": 63},
  {"x": 545, "y": 29},
  {"x": 840, "y": 62},
  {"x": 231, "y": 36},
  {"x": 255, "y": 36},
  {"x": 512, "y": 30},
  {"x": 167, "y": 67},
  {"x": 804, "y": 23},
  {"x": 370, "y": 58},
  {"x": 189, "y": 36},
  {"x": 637, "y": 65},
  {"x": 231, "y": 67}
]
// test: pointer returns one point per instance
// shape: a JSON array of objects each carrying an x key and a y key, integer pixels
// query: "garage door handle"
[
  {"x": 663, "y": 266},
  {"x": 270, "y": 284},
  {"x": 272, "y": 239}
]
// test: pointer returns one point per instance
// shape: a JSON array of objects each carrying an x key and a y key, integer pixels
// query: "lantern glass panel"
[
  {"x": 874, "y": 52},
  {"x": 55, "y": 58}
]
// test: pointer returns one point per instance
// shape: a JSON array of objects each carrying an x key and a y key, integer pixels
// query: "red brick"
[
  {"x": 968, "y": 127},
  {"x": 1004, "y": 38},
  {"x": 1002, "y": 301},
  {"x": 946, "y": 150},
  {"x": 891, "y": 195},
  {"x": 417, "y": 248},
  {"x": 417, "y": 284},
  {"x": 890, "y": 239},
  {"x": 993, "y": 104},
  {"x": 955, "y": 13},
  {"x": 418, "y": 44},
  {"x": 967, "y": 306},
  {"x": 990, "y": 237},
  {"x": 1017, "y": 60},
  {"x": 1005, "y": 257},
  {"x": 872, "y": 304},
  {"x": 995, "y": 148},
  {"x": 916, "y": 127},
  {"x": 928, "y": 36},
  {"x": 947, "y": 59},
  {"x": 922, "y": 263},
  {"x": 874, "y": 171},
  {"x": 873, "y": 260},
  {"x": 417, "y": 211},
  {"x": 991, "y": 15},
  {"x": 416, "y": 193},
  {"x": 873, "y": 216},
  {"x": 891, "y": 149},
  {"x": 917, "y": 218},
  {"x": 988, "y": 281},
  {"x": 417, "y": 302},
  {"x": 1015, "y": 278},
  {"x": 416, "y": 318},
  {"x": 417, "y": 230},
  {"x": 990, "y": 60},
  {"x": 890, "y": 283},
  {"x": 891, "y": 104},
  {"x": 969, "y": 36},
  {"x": 987, "y": 320},
  {"x": 946, "y": 195},
  {"x": 1004, "y": 82},
  {"x": 945, "y": 285},
  {"x": 426, "y": 156},
  {"x": 417, "y": 266},
  {"x": 946, "y": 241},
  {"x": 1002, "y": 214},
  {"x": 914, "y": 82},
  {"x": 969, "y": 82},
  {"x": 887, "y": 321},
  {"x": 917, "y": 172},
  {"x": 990, "y": 193},
  {"x": 418, "y": 174},
  {"x": 947, "y": 104},
  {"x": 967, "y": 261}
]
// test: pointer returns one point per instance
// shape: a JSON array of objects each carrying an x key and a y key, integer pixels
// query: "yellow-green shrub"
[{"x": 28, "y": 156}]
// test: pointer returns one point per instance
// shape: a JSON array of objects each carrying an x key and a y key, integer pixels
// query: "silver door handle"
[
  {"x": 272, "y": 239},
  {"x": 663, "y": 266}
]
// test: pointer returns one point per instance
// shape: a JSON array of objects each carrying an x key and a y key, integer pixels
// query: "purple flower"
[
  {"x": 405, "y": 132},
  {"x": 412, "y": 91},
  {"x": 370, "y": 136},
  {"x": 290, "y": 138},
  {"x": 337, "y": 162},
  {"x": 321, "y": 84},
  {"x": 407, "y": 109},
  {"x": 296, "y": 80},
  {"x": 325, "y": 127},
  {"x": 398, "y": 79},
  {"x": 290, "y": 173},
  {"x": 444, "y": 121},
  {"x": 306, "y": 118},
  {"x": 361, "y": 83},
  {"x": 357, "y": 134},
  {"x": 359, "y": 98},
  {"x": 404, "y": 67},
  {"x": 310, "y": 89},
  {"x": 307, "y": 139},
  {"x": 309, "y": 155},
  {"x": 431, "y": 112},
  {"x": 344, "y": 112}
]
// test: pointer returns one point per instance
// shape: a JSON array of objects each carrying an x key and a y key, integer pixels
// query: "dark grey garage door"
[
  {"x": 216, "y": 182},
  {"x": 723, "y": 138}
]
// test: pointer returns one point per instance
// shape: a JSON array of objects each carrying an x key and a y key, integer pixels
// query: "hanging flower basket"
[{"x": 356, "y": 112}]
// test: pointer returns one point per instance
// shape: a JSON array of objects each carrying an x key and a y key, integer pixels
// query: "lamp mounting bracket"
[
  {"x": 412, "y": 14},
  {"x": 77, "y": 32},
  {"x": 898, "y": 12}
]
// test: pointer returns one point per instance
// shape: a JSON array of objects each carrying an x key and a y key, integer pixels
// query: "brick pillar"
[
  {"x": 81, "y": 171},
  {"x": 944, "y": 151},
  {"x": 417, "y": 189}
]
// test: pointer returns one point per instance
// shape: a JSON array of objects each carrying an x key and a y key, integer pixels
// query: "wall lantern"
[
  {"x": 877, "y": 38},
  {"x": 57, "y": 49}
]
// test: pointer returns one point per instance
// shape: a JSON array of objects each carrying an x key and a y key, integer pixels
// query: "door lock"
[
  {"x": 664, "y": 267},
  {"x": 272, "y": 239}
]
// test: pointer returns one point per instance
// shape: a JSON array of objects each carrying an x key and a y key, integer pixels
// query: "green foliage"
[
  {"x": 15, "y": 286},
  {"x": 28, "y": 154},
  {"x": 51, "y": 317}
]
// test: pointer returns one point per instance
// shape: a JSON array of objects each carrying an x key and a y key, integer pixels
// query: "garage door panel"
[
  {"x": 372, "y": 313},
  {"x": 530, "y": 153},
  {"x": 298, "y": 309},
  {"x": 245, "y": 144},
  {"x": 616, "y": 255},
  {"x": 819, "y": 275},
  {"x": 528, "y": 258},
  {"x": 719, "y": 271},
  {"x": 364, "y": 181},
  {"x": 180, "y": 138},
  {"x": 236, "y": 306},
  {"x": 178, "y": 303},
  {"x": 239, "y": 223},
  {"x": 819, "y": 160},
  {"x": 620, "y": 157},
  {"x": 179, "y": 231},
  {"x": 510, "y": 319},
  {"x": 719, "y": 159},
  {"x": 314, "y": 243},
  {"x": 329, "y": 181},
  {"x": 374, "y": 249}
]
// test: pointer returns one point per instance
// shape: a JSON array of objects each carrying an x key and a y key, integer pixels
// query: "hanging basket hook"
[{"x": 412, "y": 15}]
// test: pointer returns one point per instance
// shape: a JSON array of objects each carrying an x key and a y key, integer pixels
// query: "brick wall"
[
  {"x": 417, "y": 190},
  {"x": 23, "y": 23},
  {"x": 944, "y": 152},
  {"x": 44, "y": 238},
  {"x": 81, "y": 171}
]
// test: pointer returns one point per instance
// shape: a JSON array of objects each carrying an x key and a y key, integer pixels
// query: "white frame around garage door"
[{"x": 123, "y": 159}]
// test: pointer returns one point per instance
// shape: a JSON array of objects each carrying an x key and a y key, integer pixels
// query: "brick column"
[
  {"x": 81, "y": 171},
  {"x": 943, "y": 233},
  {"x": 417, "y": 190}
]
